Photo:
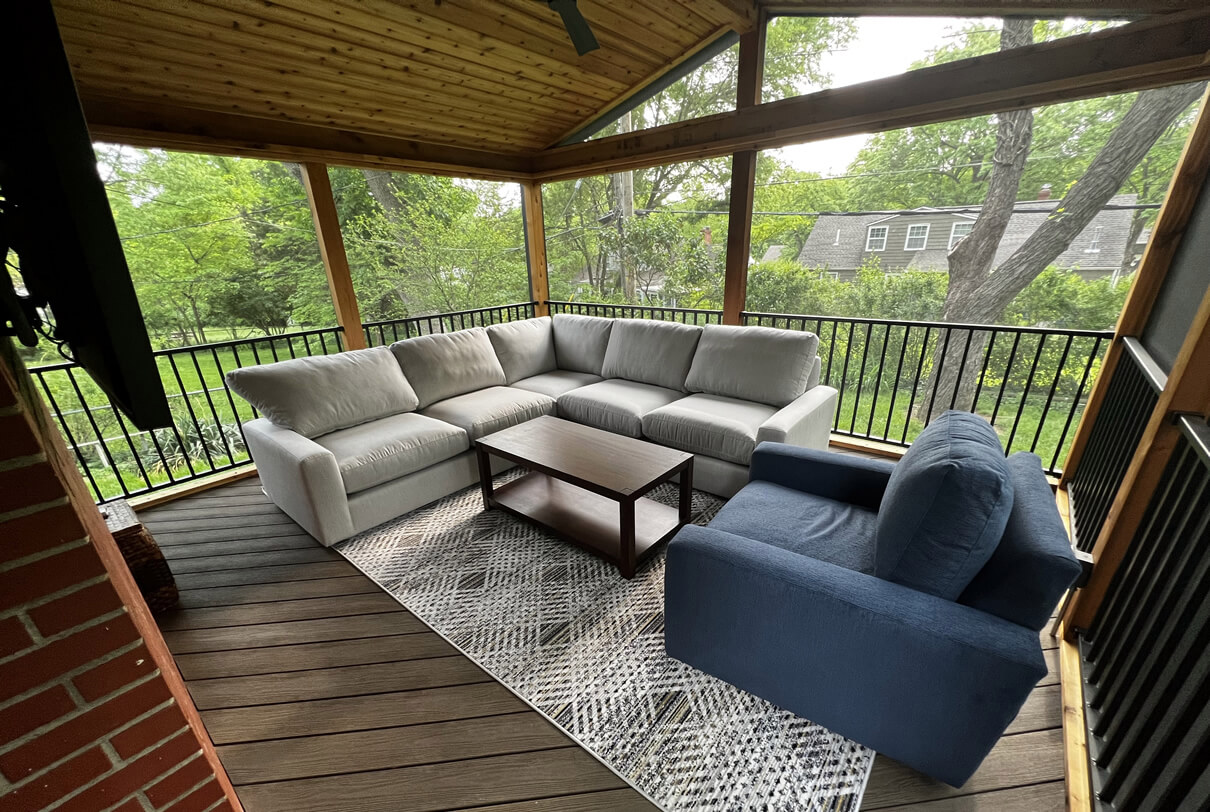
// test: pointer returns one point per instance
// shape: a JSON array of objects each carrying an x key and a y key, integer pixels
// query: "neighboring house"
[{"x": 921, "y": 239}]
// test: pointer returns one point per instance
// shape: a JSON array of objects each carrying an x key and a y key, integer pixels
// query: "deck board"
[{"x": 322, "y": 693}]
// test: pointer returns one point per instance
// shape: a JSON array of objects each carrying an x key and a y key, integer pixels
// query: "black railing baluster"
[
  {"x": 192, "y": 415},
  {"x": 987, "y": 357},
  {"x": 71, "y": 439},
  {"x": 831, "y": 353},
  {"x": 218, "y": 422},
  {"x": 890, "y": 413},
  {"x": 924, "y": 346},
  {"x": 134, "y": 452},
  {"x": 1075, "y": 402},
  {"x": 844, "y": 378},
  {"x": 1029, "y": 382},
  {"x": 886, "y": 337},
  {"x": 938, "y": 369},
  {"x": 966, "y": 348},
  {"x": 1008, "y": 371},
  {"x": 231, "y": 400},
  {"x": 865, "y": 351},
  {"x": 1050, "y": 396}
]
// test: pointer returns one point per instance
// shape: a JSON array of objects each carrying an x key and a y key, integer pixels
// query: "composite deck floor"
[{"x": 322, "y": 693}]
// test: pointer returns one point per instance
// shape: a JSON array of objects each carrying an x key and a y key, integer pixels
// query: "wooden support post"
[
  {"x": 1187, "y": 184},
  {"x": 332, "y": 249},
  {"x": 743, "y": 177},
  {"x": 535, "y": 246}
]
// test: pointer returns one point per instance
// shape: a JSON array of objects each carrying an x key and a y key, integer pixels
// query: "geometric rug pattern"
[{"x": 569, "y": 635}]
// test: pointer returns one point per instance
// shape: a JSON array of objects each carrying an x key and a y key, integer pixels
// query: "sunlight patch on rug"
[{"x": 573, "y": 638}]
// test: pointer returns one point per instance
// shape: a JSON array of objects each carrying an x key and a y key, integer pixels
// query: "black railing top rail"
[
  {"x": 943, "y": 325},
  {"x": 1156, "y": 378},
  {"x": 448, "y": 314}
]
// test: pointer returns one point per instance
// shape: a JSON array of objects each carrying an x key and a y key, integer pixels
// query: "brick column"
[{"x": 93, "y": 712}]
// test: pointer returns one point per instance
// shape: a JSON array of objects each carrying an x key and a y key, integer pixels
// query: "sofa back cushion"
[
  {"x": 314, "y": 396},
  {"x": 945, "y": 507},
  {"x": 524, "y": 348},
  {"x": 447, "y": 364},
  {"x": 1033, "y": 564},
  {"x": 654, "y": 352},
  {"x": 580, "y": 342},
  {"x": 753, "y": 363}
]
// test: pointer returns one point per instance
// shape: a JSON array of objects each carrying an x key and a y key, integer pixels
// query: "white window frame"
[
  {"x": 869, "y": 237},
  {"x": 954, "y": 231},
  {"x": 908, "y": 239}
]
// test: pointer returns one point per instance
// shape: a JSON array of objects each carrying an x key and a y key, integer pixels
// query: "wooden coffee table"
[{"x": 587, "y": 486}]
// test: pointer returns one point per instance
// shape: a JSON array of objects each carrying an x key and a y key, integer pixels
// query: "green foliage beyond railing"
[{"x": 1031, "y": 383}]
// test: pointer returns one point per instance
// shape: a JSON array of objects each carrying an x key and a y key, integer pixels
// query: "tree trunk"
[
  {"x": 623, "y": 192},
  {"x": 379, "y": 183}
]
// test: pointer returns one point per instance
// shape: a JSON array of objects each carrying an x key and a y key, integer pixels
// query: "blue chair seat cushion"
[
  {"x": 945, "y": 507},
  {"x": 803, "y": 523}
]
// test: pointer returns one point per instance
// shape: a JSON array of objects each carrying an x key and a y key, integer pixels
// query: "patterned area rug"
[{"x": 567, "y": 633}]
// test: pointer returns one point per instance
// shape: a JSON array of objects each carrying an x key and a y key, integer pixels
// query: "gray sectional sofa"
[{"x": 349, "y": 441}]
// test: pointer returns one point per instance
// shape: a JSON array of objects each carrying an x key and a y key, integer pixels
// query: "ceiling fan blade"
[{"x": 577, "y": 27}]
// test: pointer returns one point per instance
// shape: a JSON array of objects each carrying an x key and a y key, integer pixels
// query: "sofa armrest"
[
  {"x": 805, "y": 421},
  {"x": 843, "y": 477},
  {"x": 926, "y": 681},
  {"x": 302, "y": 478}
]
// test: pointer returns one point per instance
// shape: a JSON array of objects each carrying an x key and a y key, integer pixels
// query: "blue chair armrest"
[
  {"x": 842, "y": 477},
  {"x": 923, "y": 680}
]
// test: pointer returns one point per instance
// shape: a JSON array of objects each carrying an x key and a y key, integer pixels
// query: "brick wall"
[{"x": 93, "y": 714}]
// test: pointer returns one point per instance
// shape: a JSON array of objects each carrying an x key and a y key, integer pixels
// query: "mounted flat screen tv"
[{"x": 54, "y": 215}]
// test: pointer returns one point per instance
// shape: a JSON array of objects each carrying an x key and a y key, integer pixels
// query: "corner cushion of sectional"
[{"x": 489, "y": 410}]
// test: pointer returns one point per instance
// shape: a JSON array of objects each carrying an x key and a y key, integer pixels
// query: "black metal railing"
[
  {"x": 1147, "y": 655},
  {"x": 118, "y": 460},
  {"x": 619, "y": 311},
  {"x": 1130, "y": 399},
  {"x": 378, "y": 333},
  {"x": 895, "y": 376}
]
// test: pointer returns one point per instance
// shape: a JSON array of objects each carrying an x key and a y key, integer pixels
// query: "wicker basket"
[{"x": 143, "y": 556}]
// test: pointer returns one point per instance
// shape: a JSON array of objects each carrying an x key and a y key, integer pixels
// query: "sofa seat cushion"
[
  {"x": 654, "y": 352},
  {"x": 615, "y": 405},
  {"x": 492, "y": 409},
  {"x": 580, "y": 341},
  {"x": 525, "y": 347},
  {"x": 317, "y": 395},
  {"x": 755, "y": 363},
  {"x": 554, "y": 384},
  {"x": 803, "y": 523},
  {"x": 708, "y": 424},
  {"x": 1033, "y": 564},
  {"x": 945, "y": 507},
  {"x": 387, "y": 449},
  {"x": 443, "y": 365}
]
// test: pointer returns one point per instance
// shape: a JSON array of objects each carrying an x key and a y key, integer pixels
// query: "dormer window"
[
  {"x": 917, "y": 238},
  {"x": 959, "y": 232},
  {"x": 876, "y": 238},
  {"x": 1094, "y": 247}
]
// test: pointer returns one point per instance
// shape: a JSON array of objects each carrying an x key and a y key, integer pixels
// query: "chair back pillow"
[
  {"x": 447, "y": 364},
  {"x": 524, "y": 348},
  {"x": 1033, "y": 564},
  {"x": 318, "y": 395},
  {"x": 945, "y": 507},
  {"x": 753, "y": 363},
  {"x": 654, "y": 352},
  {"x": 580, "y": 341}
]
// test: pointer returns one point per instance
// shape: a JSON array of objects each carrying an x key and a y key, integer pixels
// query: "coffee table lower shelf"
[{"x": 585, "y": 518}]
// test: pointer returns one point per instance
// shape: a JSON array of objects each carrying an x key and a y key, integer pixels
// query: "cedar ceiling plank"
[
  {"x": 414, "y": 123},
  {"x": 398, "y": 44},
  {"x": 353, "y": 46},
  {"x": 138, "y": 123},
  {"x": 504, "y": 57},
  {"x": 1163, "y": 50},
  {"x": 740, "y": 15},
  {"x": 103, "y": 55},
  {"x": 983, "y": 8},
  {"x": 544, "y": 36},
  {"x": 236, "y": 45}
]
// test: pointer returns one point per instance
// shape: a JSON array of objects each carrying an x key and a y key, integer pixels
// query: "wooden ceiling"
[
  {"x": 481, "y": 88},
  {"x": 495, "y": 75}
]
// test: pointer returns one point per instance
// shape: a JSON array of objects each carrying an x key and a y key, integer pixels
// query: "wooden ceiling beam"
[
  {"x": 984, "y": 8},
  {"x": 1163, "y": 50},
  {"x": 145, "y": 124}
]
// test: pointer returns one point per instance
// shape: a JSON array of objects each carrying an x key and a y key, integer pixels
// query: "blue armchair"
[{"x": 898, "y": 605}]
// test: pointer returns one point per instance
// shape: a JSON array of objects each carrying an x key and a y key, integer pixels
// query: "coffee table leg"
[
  {"x": 485, "y": 475},
  {"x": 686, "y": 503},
  {"x": 626, "y": 542}
]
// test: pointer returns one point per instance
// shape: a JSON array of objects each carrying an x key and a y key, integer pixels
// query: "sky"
[{"x": 883, "y": 46}]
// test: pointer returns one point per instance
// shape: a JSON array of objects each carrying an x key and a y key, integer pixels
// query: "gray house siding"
[{"x": 897, "y": 257}]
